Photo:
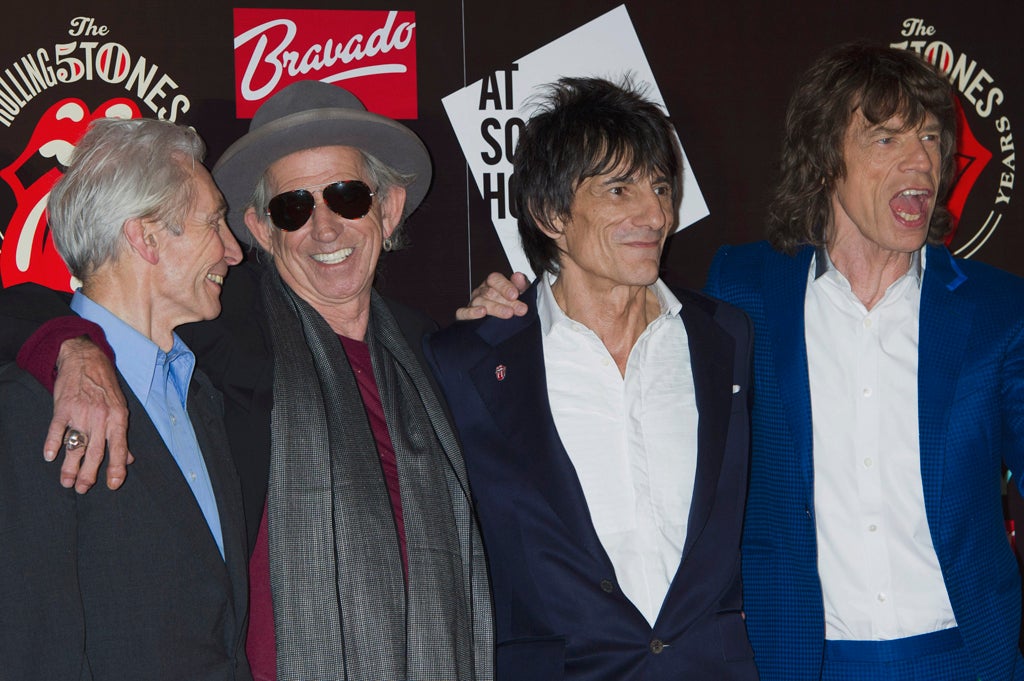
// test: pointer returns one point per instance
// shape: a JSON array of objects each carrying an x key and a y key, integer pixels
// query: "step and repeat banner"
[{"x": 462, "y": 74}]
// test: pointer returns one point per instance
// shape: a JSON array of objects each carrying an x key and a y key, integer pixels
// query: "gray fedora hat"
[{"x": 310, "y": 114}]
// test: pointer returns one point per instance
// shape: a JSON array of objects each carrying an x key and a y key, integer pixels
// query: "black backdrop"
[{"x": 725, "y": 70}]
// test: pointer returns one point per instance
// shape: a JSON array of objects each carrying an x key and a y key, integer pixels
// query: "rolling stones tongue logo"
[
  {"x": 971, "y": 158},
  {"x": 28, "y": 253}
]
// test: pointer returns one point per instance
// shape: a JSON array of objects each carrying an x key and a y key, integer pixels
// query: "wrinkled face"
[
  {"x": 193, "y": 264},
  {"x": 617, "y": 231},
  {"x": 329, "y": 261},
  {"x": 886, "y": 199}
]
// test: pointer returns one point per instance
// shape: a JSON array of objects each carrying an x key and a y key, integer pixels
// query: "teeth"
[
  {"x": 215, "y": 278},
  {"x": 911, "y": 198},
  {"x": 333, "y": 258}
]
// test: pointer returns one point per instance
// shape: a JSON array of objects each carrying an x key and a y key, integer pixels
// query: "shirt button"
[
  {"x": 881, "y": 598},
  {"x": 174, "y": 420},
  {"x": 607, "y": 586},
  {"x": 192, "y": 476},
  {"x": 872, "y": 528},
  {"x": 867, "y": 392},
  {"x": 867, "y": 323},
  {"x": 657, "y": 646},
  {"x": 868, "y": 462}
]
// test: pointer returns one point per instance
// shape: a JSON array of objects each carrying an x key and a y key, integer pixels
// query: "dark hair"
[
  {"x": 584, "y": 127},
  {"x": 880, "y": 82}
]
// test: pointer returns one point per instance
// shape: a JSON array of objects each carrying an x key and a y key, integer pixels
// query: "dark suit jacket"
[
  {"x": 971, "y": 420},
  {"x": 117, "y": 585},
  {"x": 559, "y": 613}
]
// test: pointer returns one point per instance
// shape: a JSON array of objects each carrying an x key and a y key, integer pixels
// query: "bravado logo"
[
  {"x": 127, "y": 85},
  {"x": 370, "y": 53},
  {"x": 985, "y": 169}
]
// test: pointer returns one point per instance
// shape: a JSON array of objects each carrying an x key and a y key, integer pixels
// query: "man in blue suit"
[
  {"x": 889, "y": 390},
  {"x": 606, "y": 431}
]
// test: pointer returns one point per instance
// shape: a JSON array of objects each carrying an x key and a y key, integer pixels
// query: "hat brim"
[{"x": 243, "y": 164}]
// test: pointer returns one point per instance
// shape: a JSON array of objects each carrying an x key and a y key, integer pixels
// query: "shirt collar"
[
  {"x": 136, "y": 356},
  {"x": 822, "y": 265},
  {"x": 552, "y": 315}
]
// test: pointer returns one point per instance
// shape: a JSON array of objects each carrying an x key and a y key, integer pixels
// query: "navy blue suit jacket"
[
  {"x": 559, "y": 613},
  {"x": 971, "y": 420}
]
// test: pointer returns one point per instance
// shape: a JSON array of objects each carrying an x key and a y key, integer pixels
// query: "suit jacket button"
[
  {"x": 607, "y": 586},
  {"x": 657, "y": 646}
]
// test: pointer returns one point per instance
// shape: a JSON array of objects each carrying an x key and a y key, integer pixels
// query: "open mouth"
[
  {"x": 911, "y": 205},
  {"x": 333, "y": 258}
]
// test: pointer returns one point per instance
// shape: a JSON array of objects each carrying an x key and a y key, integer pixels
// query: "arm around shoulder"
[
  {"x": 86, "y": 392},
  {"x": 23, "y": 309}
]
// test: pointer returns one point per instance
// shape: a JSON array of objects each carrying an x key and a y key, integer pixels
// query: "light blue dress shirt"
[{"x": 160, "y": 381}]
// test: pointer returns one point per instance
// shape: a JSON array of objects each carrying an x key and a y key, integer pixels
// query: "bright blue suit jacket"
[
  {"x": 559, "y": 613},
  {"x": 971, "y": 421}
]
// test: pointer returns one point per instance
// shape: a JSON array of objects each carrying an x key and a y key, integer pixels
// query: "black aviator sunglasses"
[{"x": 351, "y": 199}]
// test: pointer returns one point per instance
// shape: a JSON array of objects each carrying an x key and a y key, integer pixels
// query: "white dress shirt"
[
  {"x": 879, "y": 572},
  {"x": 631, "y": 439}
]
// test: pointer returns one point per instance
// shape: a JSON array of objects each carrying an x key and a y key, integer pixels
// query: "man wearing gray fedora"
[{"x": 366, "y": 560}]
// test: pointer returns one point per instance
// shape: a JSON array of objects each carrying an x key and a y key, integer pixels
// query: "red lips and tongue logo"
[
  {"x": 28, "y": 253},
  {"x": 971, "y": 159}
]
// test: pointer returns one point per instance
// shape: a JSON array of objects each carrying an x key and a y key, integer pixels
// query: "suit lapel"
[
  {"x": 711, "y": 354},
  {"x": 167, "y": 488},
  {"x": 785, "y": 285},
  {"x": 510, "y": 380},
  {"x": 520, "y": 396},
  {"x": 226, "y": 488},
  {"x": 945, "y": 325},
  {"x": 944, "y": 329},
  {"x": 159, "y": 473}
]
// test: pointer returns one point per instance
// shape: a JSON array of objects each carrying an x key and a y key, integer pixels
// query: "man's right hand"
[
  {"x": 498, "y": 296},
  {"x": 87, "y": 398}
]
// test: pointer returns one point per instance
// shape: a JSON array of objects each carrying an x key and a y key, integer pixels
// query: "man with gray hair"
[{"x": 148, "y": 582}]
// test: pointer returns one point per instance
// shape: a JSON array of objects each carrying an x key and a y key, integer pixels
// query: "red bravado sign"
[{"x": 370, "y": 53}]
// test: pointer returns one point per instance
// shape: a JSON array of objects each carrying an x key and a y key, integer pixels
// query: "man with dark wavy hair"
[
  {"x": 606, "y": 431},
  {"x": 889, "y": 391}
]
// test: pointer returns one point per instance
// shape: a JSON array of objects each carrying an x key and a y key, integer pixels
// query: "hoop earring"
[{"x": 388, "y": 244}]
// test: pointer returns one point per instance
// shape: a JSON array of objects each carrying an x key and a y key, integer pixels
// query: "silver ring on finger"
[{"x": 73, "y": 439}]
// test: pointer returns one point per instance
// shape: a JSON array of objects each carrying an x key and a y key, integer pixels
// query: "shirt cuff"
[{"x": 38, "y": 356}]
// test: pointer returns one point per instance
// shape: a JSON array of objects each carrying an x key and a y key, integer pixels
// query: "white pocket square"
[{"x": 735, "y": 389}]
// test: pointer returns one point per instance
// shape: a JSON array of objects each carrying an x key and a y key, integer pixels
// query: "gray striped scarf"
[{"x": 341, "y": 607}]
